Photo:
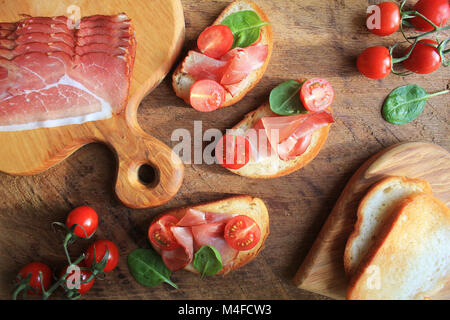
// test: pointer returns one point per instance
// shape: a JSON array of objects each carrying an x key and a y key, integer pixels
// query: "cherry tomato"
[
  {"x": 100, "y": 251},
  {"x": 424, "y": 58},
  {"x": 207, "y": 95},
  {"x": 84, "y": 275},
  {"x": 374, "y": 62},
  {"x": 242, "y": 233},
  {"x": 438, "y": 11},
  {"x": 317, "y": 94},
  {"x": 233, "y": 152},
  {"x": 389, "y": 19},
  {"x": 35, "y": 268},
  {"x": 83, "y": 216},
  {"x": 215, "y": 41},
  {"x": 160, "y": 235}
]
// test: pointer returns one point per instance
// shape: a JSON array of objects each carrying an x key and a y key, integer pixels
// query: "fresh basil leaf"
[
  {"x": 285, "y": 99},
  {"x": 246, "y": 27},
  {"x": 207, "y": 261},
  {"x": 147, "y": 268}
]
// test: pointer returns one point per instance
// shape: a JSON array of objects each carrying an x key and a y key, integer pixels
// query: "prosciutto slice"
[
  {"x": 231, "y": 70},
  {"x": 196, "y": 229},
  {"x": 180, "y": 257},
  {"x": 52, "y": 74},
  {"x": 288, "y": 136}
]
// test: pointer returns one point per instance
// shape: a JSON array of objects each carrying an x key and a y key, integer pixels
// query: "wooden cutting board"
[
  {"x": 159, "y": 26},
  {"x": 323, "y": 269}
]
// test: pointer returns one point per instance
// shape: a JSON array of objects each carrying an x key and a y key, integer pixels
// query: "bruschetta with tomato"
[
  {"x": 231, "y": 58},
  {"x": 282, "y": 135},
  {"x": 211, "y": 238}
]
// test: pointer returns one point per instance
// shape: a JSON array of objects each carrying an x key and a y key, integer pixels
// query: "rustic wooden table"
[{"x": 312, "y": 39}]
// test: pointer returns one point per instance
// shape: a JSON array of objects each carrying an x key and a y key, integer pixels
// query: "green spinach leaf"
[
  {"x": 246, "y": 27},
  {"x": 207, "y": 261},
  {"x": 285, "y": 99},
  {"x": 147, "y": 267},
  {"x": 406, "y": 103}
]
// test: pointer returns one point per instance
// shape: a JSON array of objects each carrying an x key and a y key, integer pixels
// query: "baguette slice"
[
  {"x": 273, "y": 167},
  {"x": 243, "y": 204},
  {"x": 182, "y": 82},
  {"x": 412, "y": 257},
  {"x": 374, "y": 210}
]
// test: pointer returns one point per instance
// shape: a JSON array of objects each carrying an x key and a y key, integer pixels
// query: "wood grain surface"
[
  {"x": 159, "y": 29},
  {"x": 312, "y": 39},
  {"x": 322, "y": 271}
]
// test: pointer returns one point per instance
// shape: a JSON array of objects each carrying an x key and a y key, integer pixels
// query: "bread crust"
[
  {"x": 262, "y": 218},
  {"x": 354, "y": 289},
  {"x": 360, "y": 217},
  {"x": 319, "y": 138},
  {"x": 266, "y": 38}
]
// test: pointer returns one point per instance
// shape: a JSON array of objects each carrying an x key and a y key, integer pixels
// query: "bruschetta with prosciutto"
[
  {"x": 229, "y": 232},
  {"x": 282, "y": 135},
  {"x": 230, "y": 59}
]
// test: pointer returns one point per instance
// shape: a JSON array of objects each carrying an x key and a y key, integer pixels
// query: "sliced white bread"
[
  {"x": 182, "y": 82},
  {"x": 377, "y": 206},
  {"x": 411, "y": 259},
  {"x": 241, "y": 205},
  {"x": 273, "y": 166}
]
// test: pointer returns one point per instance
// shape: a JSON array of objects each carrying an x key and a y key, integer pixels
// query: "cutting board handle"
[{"x": 135, "y": 148}]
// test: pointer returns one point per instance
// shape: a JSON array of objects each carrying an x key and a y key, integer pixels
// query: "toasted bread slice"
[
  {"x": 182, "y": 82},
  {"x": 374, "y": 210},
  {"x": 273, "y": 166},
  {"x": 411, "y": 260},
  {"x": 245, "y": 205}
]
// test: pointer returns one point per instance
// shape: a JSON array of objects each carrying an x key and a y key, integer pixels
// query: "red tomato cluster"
[
  {"x": 424, "y": 57},
  {"x": 82, "y": 222}
]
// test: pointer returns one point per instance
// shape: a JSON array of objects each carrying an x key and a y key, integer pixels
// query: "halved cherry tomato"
[
  {"x": 215, "y": 41},
  {"x": 242, "y": 233},
  {"x": 233, "y": 152},
  {"x": 36, "y": 269},
  {"x": 317, "y": 94},
  {"x": 160, "y": 235},
  {"x": 437, "y": 11},
  {"x": 374, "y": 62},
  {"x": 207, "y": 95},
  {"x": 424, "y": 58},
  {"x": 389, "y": 19},
  {"x": 84, "y": 275},
  {"x": 83, "y": 216},
  {"x": 100, "y": 251}
]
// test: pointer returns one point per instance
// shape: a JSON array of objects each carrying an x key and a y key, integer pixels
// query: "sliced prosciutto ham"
[
  {"x": 288, "y": 136},
  {"x": 53, "y": 74},
  {"x": 180, "y": 257},
  {"x": 196, "y": 229},
  {"x": 231, "y": 70}
]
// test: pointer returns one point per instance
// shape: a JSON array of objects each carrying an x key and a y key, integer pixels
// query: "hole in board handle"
[{"x": 148, "y": 175}]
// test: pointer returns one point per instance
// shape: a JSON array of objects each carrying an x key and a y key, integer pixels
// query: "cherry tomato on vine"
[
  {"x": 83, "y": 216},
  {"x": 389, "y": 19},
  {"x": 160, "y": 235},
  {"x": 35, "y": 268},
  {"x": 242, "y": 233},
  {"x": 424, "y": 58},
  {"x": 207, "y": 95},
  {"x": 100, "y": 251},
  {"x": 84, "y": 275},
  {"x": 317, "y": 94},
  {"x": 374, "y": 62},
  {"x": 438, "y": 11},
  {"x": 215, "y": 41},
  {"x": 233, "y": 152}
]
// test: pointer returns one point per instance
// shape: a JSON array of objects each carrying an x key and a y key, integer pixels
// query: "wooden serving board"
[
  {"x": 322, "y": 271},
  {"x": 159, "y": 26}
]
